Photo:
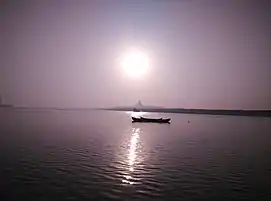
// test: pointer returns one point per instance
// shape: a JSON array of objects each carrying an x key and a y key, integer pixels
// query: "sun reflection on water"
[
  {"x": 136, "y": 114},
  {"x": 132, "y": 149},
  {"x": 132, "y": 157}
]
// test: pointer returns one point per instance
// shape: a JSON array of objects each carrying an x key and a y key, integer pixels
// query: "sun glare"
[{"x": 135, "y": 63}]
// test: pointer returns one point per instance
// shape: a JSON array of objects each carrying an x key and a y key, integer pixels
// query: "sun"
[{"x": 135, "y": 63}]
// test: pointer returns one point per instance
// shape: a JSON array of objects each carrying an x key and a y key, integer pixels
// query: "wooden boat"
[{"x": 151, "y": 120}]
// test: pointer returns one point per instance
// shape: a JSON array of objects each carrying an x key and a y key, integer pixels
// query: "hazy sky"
[{"x": 203, "y": 53}]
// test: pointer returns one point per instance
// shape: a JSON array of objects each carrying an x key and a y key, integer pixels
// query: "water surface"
[{"x": 98, "y": 155}]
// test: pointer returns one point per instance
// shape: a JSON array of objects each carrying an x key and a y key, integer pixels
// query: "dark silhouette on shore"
[
  {"x": 3, "y": 105},
  {"x": 257, "y": 113}
]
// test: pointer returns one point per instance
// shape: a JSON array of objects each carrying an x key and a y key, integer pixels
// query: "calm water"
[{"x": 95, "y": 155}]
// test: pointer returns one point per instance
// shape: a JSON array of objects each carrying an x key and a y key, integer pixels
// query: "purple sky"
[{"x": 204, "y": 53}]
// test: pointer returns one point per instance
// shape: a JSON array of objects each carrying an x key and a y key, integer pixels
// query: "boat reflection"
[{"x": 133, "y": 158}]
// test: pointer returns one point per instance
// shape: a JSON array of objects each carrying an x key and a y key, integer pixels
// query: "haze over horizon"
[{"x": 203, "y": 54}]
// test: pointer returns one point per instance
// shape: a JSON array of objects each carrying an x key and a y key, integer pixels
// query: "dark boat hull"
[{"x": 149, "y": 120}]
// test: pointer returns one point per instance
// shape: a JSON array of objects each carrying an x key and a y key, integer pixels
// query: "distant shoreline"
[
  {"x": 253, "y": 113},
  {"x": 6, "y": 106}
]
